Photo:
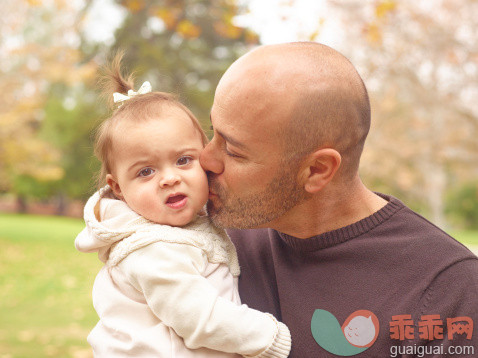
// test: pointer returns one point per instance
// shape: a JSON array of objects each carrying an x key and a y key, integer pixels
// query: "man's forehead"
[
  {"x": 253, "y": 98},
  {"x": 241, "y": 108},
  {"x": 249, "y": 132}
]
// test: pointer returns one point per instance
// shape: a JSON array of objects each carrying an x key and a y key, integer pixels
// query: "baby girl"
[{"x": 169, "y": 284}]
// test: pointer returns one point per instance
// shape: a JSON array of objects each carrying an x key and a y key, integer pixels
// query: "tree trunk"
[
  {"x": 435, "y": 179},
  {"x": 21, "y": 204},
  {"x": 61, "y": 205}
]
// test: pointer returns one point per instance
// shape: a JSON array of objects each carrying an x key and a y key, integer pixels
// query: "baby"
[{"x": 169, "y": 284}]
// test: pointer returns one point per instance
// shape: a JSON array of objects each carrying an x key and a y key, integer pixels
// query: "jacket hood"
[{"x": 107, "y": 221}]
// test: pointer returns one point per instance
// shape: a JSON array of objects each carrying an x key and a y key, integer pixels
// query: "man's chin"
[
  {"x": 225, "y": 219},
  {"x": 217, "y": 216}
]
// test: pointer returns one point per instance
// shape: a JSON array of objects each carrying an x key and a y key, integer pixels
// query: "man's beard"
[{"x": 255, "y": 209}]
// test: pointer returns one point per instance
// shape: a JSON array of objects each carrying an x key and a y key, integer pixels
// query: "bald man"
[{"x": 347, "y": 269}]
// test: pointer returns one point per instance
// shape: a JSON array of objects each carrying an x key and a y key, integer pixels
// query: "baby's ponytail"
[{"x": 113, "y": 80}]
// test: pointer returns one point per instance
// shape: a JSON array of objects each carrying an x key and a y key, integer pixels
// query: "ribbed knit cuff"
[{"x": 281, "y": 345}]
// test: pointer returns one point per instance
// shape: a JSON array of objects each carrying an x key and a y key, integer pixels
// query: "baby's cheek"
[
  {"x": 156, "y": 215},
  {"x": 199, "y": 186},
  {"x": 148, "y": 206}
]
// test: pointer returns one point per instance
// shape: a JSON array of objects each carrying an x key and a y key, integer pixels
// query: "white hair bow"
[{"x": 119, "y": 97}]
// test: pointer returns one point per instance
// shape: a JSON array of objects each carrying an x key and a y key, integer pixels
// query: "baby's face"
[{"x": 156, "y": 168}]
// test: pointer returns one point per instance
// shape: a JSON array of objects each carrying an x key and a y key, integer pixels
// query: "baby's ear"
[{"x": 111, "y": 181}]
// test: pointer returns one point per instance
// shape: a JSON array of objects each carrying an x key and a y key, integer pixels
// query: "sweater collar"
[{"x": 335, "y": 237}]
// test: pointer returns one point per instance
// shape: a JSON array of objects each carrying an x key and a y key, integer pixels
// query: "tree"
[
  {"x": 419, "y": 60},
  {"x": 49, "y": 68},
  {"x": 69, "y": 126},
  {"x": 35, "y": 55},
  {"x": 21, "y": 153},
  {"x": 183, "y": 46}
]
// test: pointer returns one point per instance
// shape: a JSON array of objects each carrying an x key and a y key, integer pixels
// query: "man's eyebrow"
[
  {"x": 229, "y": 139},
  {"x": 233, "y": 141}
]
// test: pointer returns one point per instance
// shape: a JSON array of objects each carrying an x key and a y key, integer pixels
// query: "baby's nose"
[{"x": 170, "y": 180}]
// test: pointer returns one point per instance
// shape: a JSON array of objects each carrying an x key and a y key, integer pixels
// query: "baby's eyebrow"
[
  {"x": 187, "y": 149},
  {"x": 137, "y": 164}
]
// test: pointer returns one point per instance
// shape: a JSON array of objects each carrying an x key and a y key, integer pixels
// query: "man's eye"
[
  {"x": 184, "y": 161},
  {"x": 230, "y": 154},
  {"x": 145, "y": 172}
]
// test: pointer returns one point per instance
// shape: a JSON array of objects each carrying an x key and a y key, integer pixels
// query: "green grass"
[
  {"x": 468, "y": 238},
  {"x": 45, "y": 288}
]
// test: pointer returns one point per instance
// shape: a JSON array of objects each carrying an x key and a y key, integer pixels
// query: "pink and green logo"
[{"x": 357, "y": 334}]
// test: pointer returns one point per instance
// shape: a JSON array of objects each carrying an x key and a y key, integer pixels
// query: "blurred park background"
[{"x": 419, "y": 60}]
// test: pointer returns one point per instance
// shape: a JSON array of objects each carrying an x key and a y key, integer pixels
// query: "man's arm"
[{"x": 453, "y": 295}]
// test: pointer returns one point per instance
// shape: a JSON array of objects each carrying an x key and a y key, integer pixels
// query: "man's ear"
[
  {"x": 111, "y": 181},
  {"x": 319, "y": 168}
]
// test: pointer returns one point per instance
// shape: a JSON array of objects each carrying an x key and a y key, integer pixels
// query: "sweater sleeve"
[
  {"x": 169, "y": 275},
  {"x": 452, "y": 301}
]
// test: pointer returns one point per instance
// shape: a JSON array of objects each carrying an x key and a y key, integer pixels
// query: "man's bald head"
[{"x": 308, "y": 92}]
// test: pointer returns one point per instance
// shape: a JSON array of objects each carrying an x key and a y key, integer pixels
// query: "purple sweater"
[{"x": 392, "y": 263}]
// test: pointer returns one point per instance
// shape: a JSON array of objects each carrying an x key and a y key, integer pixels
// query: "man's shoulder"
[{"x": 426, "y": 234}]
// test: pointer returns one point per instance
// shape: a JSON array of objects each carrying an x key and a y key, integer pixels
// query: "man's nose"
[
  {"x": 210, "y": 158},
  {"x": 169, "y": 179}
]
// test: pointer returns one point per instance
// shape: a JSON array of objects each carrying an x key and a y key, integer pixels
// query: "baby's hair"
[{"x": 138, "y": 108}]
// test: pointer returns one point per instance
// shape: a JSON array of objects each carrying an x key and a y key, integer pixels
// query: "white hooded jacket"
[{"x": 170, "y": 291}]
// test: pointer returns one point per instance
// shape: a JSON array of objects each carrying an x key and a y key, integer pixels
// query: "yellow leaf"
[
  {"x": 47, "y": 173},
  {"x": 373, "y": 33},
  {"x": 135, "y": 5},
  {"x": 227, "y": 30},
  {"x": 168, "y": 16},
  {"x": 187, "y": 29},
  {"x": 34, "y": 2},
  {"x": 384, "y": 7},
  {"x": 251, "y": 37}
]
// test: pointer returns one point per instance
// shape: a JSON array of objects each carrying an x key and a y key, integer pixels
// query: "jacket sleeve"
[{"x": 169, "y": 275}]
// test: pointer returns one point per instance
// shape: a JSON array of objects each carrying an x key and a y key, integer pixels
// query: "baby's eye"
[
  {"x": 184, "y": 161},
  {"x": 145, "y": 172}
]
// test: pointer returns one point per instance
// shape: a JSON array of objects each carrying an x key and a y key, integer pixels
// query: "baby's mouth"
[{"x": 176, "y": 201}]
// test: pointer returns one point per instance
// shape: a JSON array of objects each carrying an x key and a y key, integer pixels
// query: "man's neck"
[{"x": 329, "y": 210}]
